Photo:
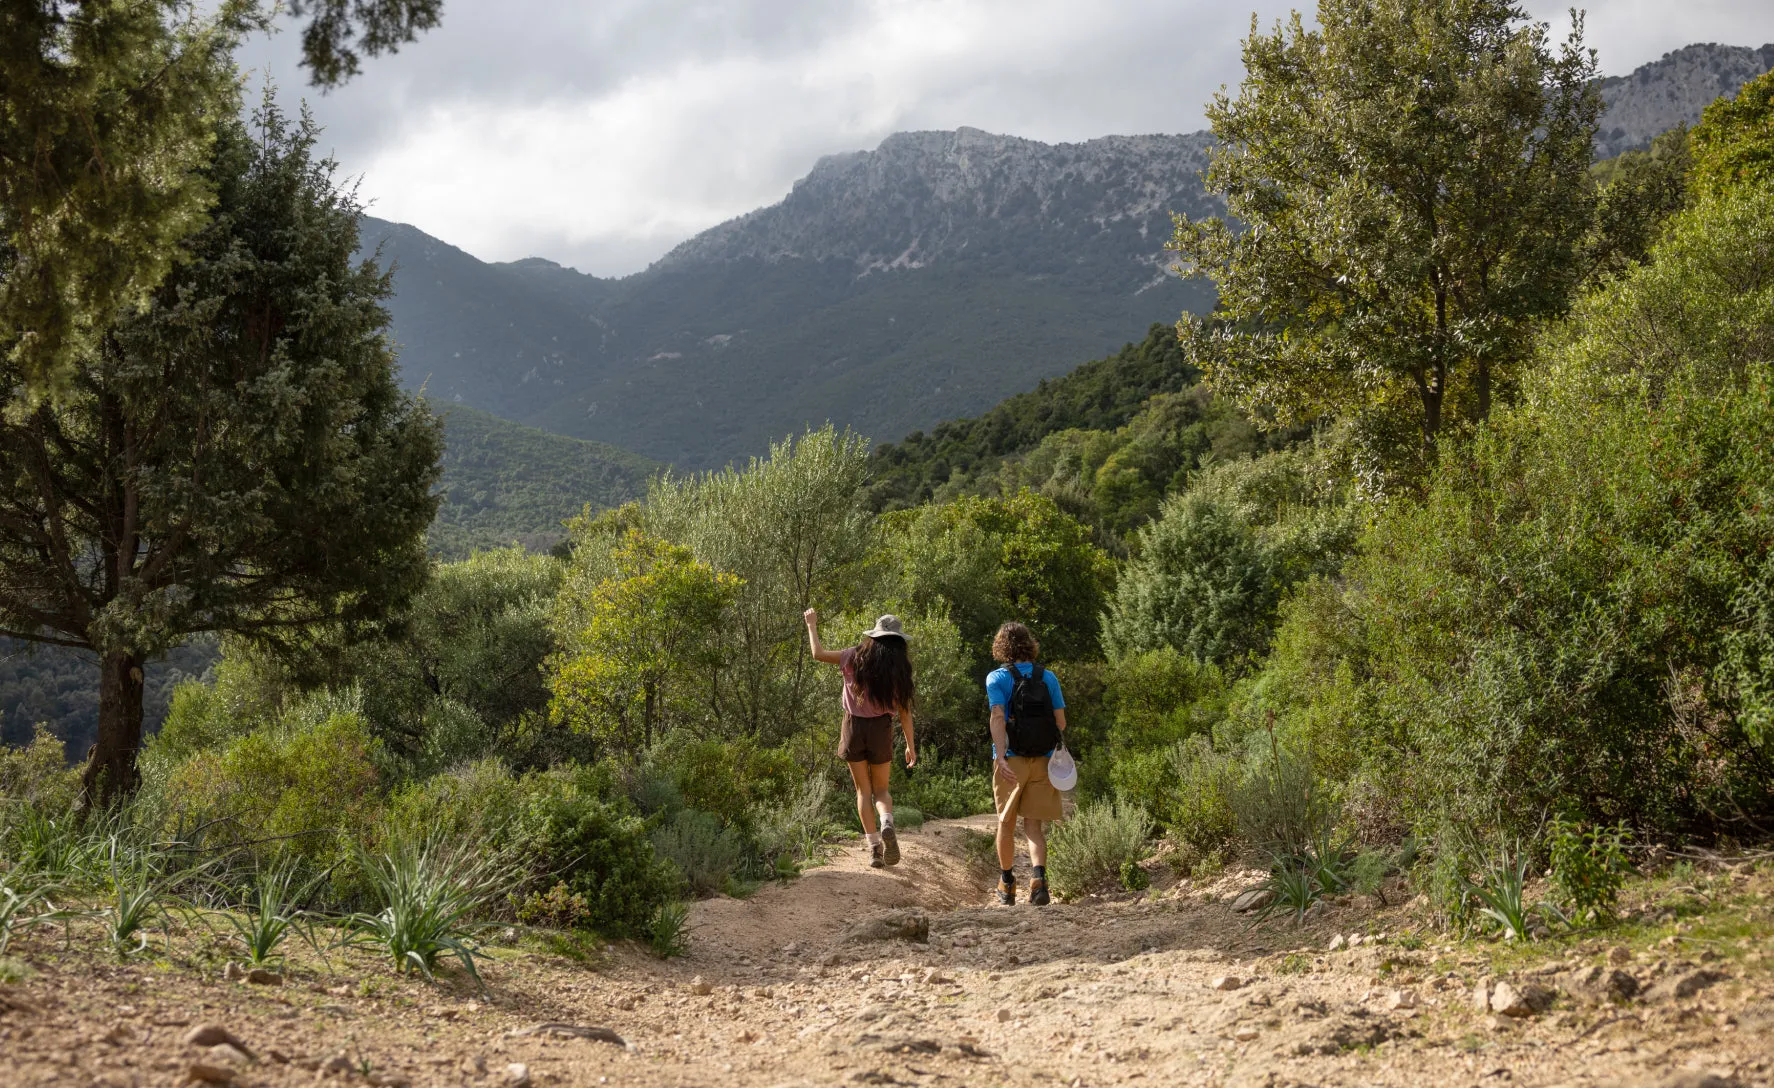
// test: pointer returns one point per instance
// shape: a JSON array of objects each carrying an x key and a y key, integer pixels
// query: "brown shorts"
[
  {"x": 866, "y": 740},
  {"x": 1038, "y": 800}
]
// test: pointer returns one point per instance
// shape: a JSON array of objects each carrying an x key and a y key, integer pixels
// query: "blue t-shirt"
[{"x": 999, "y": 687}]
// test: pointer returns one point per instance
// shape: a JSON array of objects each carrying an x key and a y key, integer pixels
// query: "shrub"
[
  {"x": 944, "y": 789},
  {"x": 668, "y": 932},
  {"x": 429, "y": 898},
  {"x": 704, "y": 851},
  {"x": 601, "y": 850},
  {"x": 787, "y": 835},
  {"x": 36, "y": 779},
  {"x": 304, "y": 790},
  {"x": 1088, "y": 850},
  {"x": 726, "y": 778},
  {"x": 557, "y": 909},
  {"x": 1589, "y": 867}
]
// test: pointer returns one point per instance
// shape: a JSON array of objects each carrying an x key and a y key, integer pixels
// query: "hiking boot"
[
  {"x": 891, "y": 842},
  {"x": 1006, "y": 894},
  {"x": 1038, "y": 893},
  {"x": 877, "y": 856}
]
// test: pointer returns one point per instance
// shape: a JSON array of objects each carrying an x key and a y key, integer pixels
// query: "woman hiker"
[
  {"x": 877, "y": 688},
  {"x": 1028, "y": 716}
]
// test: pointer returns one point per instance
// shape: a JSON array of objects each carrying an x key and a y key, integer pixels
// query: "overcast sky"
[{"x": 598, "y": 133}]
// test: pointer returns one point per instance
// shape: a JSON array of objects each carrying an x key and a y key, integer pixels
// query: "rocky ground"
[{"x": 905, "y": 976}]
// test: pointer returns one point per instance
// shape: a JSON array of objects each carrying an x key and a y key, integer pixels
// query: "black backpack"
[{"x": 1031, "y": 729}]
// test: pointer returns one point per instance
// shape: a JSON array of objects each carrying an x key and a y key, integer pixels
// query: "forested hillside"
[{"x": 505, "y": 484}]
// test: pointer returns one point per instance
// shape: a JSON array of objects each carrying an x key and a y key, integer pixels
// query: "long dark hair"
[{"x": 884, "y": 672}]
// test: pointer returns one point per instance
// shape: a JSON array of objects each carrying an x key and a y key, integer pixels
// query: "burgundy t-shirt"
[{"x": 856, "y": 703}]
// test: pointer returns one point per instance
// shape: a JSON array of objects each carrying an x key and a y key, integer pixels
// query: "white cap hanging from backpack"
[{"x": 1062, "y": 769}]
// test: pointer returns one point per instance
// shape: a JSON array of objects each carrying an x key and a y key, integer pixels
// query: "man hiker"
[{"x": 1028, "y": 715}]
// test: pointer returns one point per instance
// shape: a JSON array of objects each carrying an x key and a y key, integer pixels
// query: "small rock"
[
  {"x": 336, "y": 1066},
  {"x": 934, "y": 977},
  {"x": 832, "y": 959},
  {"x": 698, "y": 986},
  {"x": 233, "y": 972},
  {"x": 1481, "y": 996},
  {"x": 209, "y": 1074},
  {"x": 1510, "y": 1000},
  {"x": 1227, "y": 982},
  {"x": 214, "y": 1035},
  {"x": 1601, "y": 984},
  {"x": 1003, "y": 1016},
  {"x": 1619, "y": 955},
  {"x": 1355, "y": 940},
  {"x": 1401, "y": 999},
  {"x": 388, "y": 1080},
  {"x": 1246, "y": 1033},
  {"x": 1338, "y": 943},
  {"x": 1255, "y": 899},
  {"x": 120, "y": 1035},
  {"x": 260, "y": 976},
  {"x": 228, "y": 1054},
  {"x": 517, "y": 1075}
]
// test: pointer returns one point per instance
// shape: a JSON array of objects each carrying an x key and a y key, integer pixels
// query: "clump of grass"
[
  {"x": 1292, "y": 890},
  {"x": 980, "y": 849},
  {"x": 668, "y": 933},
  {"x": 1090, "y": 849},
  {"x": 430, "y": 896},
  {"x": 271, "y": 913},
  {"x": 1501, "y": 895},
  {"x": 22, "y": 909}
]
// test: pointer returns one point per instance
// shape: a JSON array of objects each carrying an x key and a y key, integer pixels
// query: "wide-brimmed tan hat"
[{"x": 887, "y": 626}]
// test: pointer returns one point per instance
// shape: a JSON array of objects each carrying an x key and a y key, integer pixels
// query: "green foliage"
[
  {"x": 1500, "y": 897},
  {"x": 943, "y": 789},
  {"x": 637, "y": 649},
  {"x": 668, "y": 932},
  {"x": 704, "y": 851},
  {"x": 1089, "y": 849},
  {"x": 1292, "y": 890},
  {"x": 557, "y": 908},
  {"x": 35, "y": 779},
  {"x": 264, "y": 921},
  {"x": 1097, "y": 396},
  {"x": 1368, "y": 871},
  {"x": 1733, "y": 145},
  {"x": 997, "y": 559},
  {"x": 1589, "y": 867},
  {"x": 1424, "y": 168},
  {"x": 1638, "y": 192},
  {"x": 1208, "y": 577},
  {"x": 110, "y": 107},
  {"x": 23, "y": 908},
  {"x": 505, "y": 483},
  {"x": 429, "y": 896},
  {"x": 793, "y": 530},
  {"x": 245, "y": 425},
  {"x": 306, "y": 788},
  {"x": 789, "y": 834}
]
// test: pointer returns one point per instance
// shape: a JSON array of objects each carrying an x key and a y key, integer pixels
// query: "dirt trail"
[{"x": 795, "y": 986}]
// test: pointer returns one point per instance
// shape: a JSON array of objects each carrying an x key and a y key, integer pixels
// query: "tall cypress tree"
[{"x": 236, "y": 457}]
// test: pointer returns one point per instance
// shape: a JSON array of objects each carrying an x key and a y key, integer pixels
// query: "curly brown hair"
[{"x": 1014, "y": 642}]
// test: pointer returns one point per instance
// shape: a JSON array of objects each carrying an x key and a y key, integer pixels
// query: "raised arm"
[{"x": 820, "y": 653}]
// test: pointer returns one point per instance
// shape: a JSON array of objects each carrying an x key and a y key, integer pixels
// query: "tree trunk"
[
  {"x": 111, "y": 771},
  {"x": 1484, "y": 389}
]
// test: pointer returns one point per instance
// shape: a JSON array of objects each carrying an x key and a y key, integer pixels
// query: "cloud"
[{"x": 599, "y": 134}]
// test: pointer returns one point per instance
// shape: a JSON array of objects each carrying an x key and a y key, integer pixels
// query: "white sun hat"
[{"x": 1062, "y": 770}]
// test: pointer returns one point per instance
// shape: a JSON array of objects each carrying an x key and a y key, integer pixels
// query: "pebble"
[
  {"x": 233, "y": 972},
  {"x": 209, "y": 1074},
  {"x": 1338, "y": 943},
  {"x": 1246, "y": 1034},
  {"x": 1227, "y": 982},
  {"x": 214, "y": 1035},
  {"x": 229, "y": 1054},
  {"x": 698, "y": 986},
  {"x": 260, "y": 976},
  {"x": 1003, "y": 1016},
  {"x": 1481, "y": 997},
  {"x": 517, "y": 1075},
  {"x": 1401, "y": 999}
]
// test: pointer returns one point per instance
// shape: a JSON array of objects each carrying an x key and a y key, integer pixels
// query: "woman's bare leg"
[
  {"x": 879, "y": 775},
  {"x": 865, "y": 796}
]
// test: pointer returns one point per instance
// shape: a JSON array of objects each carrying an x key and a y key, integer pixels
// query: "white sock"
[
  {"x": 886, "y": 815},
  {"x": 874, "y": 838}
]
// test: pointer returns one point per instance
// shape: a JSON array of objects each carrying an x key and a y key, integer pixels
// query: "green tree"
[
  {"x": 1734, "y": 141},
  {"x": 640, "y": 644},
  {"x": 1639, "y": 191},
  {"x": 795, "y": 529},
  {"x": 238, "y": 457},
  {"x": 111, "y": 108},
  {"x": 1411, "y": 184},
  {"x": 988, "y": 560}
]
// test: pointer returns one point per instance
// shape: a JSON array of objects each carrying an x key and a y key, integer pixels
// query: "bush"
[
  {"x": 306, "y": 790},
  {"x": 1589, "y": 867},
  {"x": 943, "y": 789},
  {"x": 728, "y": 779},
  {"x": 35, "y": 779},
  {"x": 704, "y": 851},
  {"x": 578, "y": 845},
  {"x": 1089, "y": 850},
  {"x": 787, "y": 835}
]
